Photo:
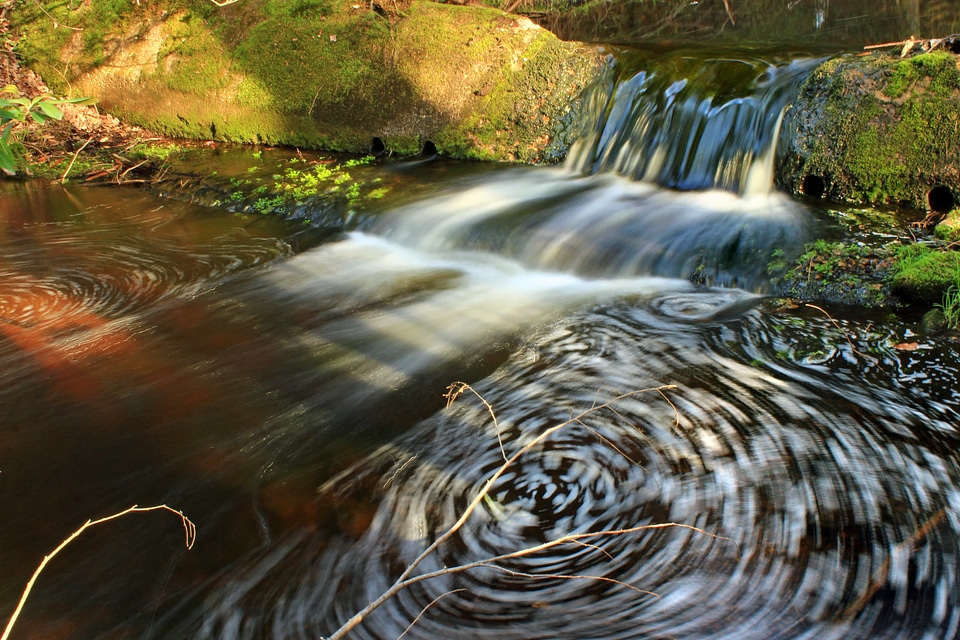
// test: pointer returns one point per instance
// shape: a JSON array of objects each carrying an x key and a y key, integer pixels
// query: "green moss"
[
  {"x": 881, "y": 130},
  {"x": 154, "y": 152},
  {"x": 840, "y": 272},
  {"x": 939, "y": 65},
  {"x": 923, "y": 273},
  {"x": 193, "y": 58},
  {"x": 329, "y": 74},
  {"x": 308, "y": 64},
  {"x": 948, "y": 229},
  {"x": 87, "y": 30}
]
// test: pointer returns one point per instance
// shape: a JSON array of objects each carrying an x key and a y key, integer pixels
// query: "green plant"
[
  {"x": 950, "y": 305},
  {"x": 15, "y": 108},
  {"x": 268, "y": 205},
  {"x": 155, "y": 152}
]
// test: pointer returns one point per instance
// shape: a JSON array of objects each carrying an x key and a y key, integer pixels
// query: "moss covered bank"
[
  {"x": 877, "y": 129},
  {"x": 329, "y": 74}
]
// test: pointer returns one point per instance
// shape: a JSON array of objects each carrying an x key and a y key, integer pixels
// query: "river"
[{"x": 751, "y": 468}]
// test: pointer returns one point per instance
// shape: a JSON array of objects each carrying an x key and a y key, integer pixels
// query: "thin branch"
[
  {"x": 837, "y": 325},
  {"x": 457, "y": 388},
  {"x": 74, "y": 159},
  {"x": 406, "y": 578},
  {"x": 878, "y": 579},
  {"x": 566, "y": 576},
  {"x": 676, "y": 412},
  {"x": 726, "y": 5},
  {"x": 605, "y": 440},
  {"x": 399, "y": 470},
  {"x": 190, "y": 530},
  {"x": 424, "y": 610},
  {"x": 136, "y": 166}
]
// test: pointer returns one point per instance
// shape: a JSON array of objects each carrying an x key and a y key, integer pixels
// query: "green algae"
[{"x": 839, "y": 272}]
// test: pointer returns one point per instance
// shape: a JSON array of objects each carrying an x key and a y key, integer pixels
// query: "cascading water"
[
  {"x": 671, "y": 178},
  {"x": 689, "y": 123},
  {"x": 810, "y": 465}
]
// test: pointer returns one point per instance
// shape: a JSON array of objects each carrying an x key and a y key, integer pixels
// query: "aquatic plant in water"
[{"x": 950, "y": 305}]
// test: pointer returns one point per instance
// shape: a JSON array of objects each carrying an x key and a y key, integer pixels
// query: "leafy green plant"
[
  {"x": 15, "y": 108},
  {"x": 950, "y": 305},
  {"x": 268, "y": 205}
]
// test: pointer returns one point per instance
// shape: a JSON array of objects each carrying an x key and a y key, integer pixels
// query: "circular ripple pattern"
[
  {"x": 67, "y": 277},
  {"x": 821, "y": 500}
]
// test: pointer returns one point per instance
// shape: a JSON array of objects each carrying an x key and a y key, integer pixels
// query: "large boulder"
[
  {"x": 328, "y": 74},
  {"x": 877, "y": 129}
]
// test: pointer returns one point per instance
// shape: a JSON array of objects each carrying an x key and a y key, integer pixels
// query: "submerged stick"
[{"x": 190, "y": 530}]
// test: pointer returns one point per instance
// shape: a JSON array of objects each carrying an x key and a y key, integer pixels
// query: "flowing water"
[{"x": 288, "y": 396}]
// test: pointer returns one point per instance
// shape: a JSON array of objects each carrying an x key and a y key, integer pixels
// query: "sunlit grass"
[{"x": 951, "y": 300}]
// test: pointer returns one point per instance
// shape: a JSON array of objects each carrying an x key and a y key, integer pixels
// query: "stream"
[{"x": 751, "y": 468}]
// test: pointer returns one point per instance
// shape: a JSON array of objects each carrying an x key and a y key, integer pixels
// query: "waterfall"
[{"x": 687, "y": 123}]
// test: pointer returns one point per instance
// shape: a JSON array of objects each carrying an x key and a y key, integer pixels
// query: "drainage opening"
[
  {"x": 813, "y": 186},
  {"x": 377, "y": 148},
  {"x": 940, "y": 199},
  {"x": 429, "y": 149}
]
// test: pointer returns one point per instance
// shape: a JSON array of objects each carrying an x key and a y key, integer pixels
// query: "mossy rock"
[
  {"x": 323, "y": 74},
  {"x": 850, "y": 273},
  {"x": 948, "y": 229},
  {"x": 877, "y": 129},
  {"x": 924, "y": 274}
]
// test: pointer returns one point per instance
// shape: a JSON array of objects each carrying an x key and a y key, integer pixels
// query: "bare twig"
[
  {"x": 407, "y": 578},
  {"x": 837, "y": 325},
  {"x": 887, "y": 45},
  {"x": 424, "y": 610},
  {"x": 74, "y": 159},
  {"x": 190, "y": 530},
  {"x": 878, "y": 579},
  {"x": 123, "y": 175},
  {"x": 457, "y": 388},
  {"x": 729, "y": 8}
]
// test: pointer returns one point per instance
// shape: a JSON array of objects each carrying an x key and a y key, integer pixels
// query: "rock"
[
  {"x": 876, "y": 129},
  {"x": 476, "y": 82},
  {"x": 933, "y": 322}
]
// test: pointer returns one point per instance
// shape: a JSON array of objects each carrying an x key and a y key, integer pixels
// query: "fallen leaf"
[{"x": 907, "y": 346}]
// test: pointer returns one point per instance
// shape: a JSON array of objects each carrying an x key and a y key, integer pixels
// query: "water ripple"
[{"x": 814, "y": 504}]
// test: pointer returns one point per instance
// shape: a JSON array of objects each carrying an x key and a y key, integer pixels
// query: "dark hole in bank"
[
  {"x": 813, "y": 186},
  {"x": 429, "y": 149},
  {"x": 940, "y": 199},
  {"x": 377, "y": 148}
]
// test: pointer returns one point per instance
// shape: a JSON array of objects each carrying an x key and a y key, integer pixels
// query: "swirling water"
[{"x": 804, "y": 466}]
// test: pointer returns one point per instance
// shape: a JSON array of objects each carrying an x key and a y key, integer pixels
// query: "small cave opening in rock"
[
  {"x": 377, "y": 148},
  {"x": 813, "y": 186},
  {"x": 940, "y": 199},
  {"x": 429, "y": 150}
]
